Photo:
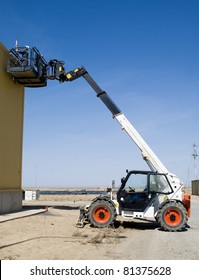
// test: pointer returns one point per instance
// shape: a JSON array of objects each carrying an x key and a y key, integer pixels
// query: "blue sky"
[{"x": 143, "y": 53}]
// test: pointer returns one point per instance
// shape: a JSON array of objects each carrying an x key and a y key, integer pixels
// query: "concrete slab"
[{"x": 21, "y": 214}]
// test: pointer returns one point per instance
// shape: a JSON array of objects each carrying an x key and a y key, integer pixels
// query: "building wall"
[
  {"x": 195, "y": 187},
  {"x": 11, "y": 137}
]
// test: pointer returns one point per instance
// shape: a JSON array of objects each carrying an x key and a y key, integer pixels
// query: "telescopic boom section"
[{"x": 148, "y": 155}]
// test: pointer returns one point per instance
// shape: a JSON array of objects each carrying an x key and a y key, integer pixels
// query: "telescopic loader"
[{"x": 155, "y": 194}]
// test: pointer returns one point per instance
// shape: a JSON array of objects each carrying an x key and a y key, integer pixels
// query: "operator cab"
[
  {"x": 140, "y": 187},
  {"x": 27, "y": 66}
]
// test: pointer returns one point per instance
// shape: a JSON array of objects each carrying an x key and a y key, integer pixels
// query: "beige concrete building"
[
  {"x": 195, "y": 187},
  {"x": 11, "y": 137}
]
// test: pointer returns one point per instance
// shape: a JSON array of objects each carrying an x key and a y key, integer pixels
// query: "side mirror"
[{"x": 122, "y": 180}]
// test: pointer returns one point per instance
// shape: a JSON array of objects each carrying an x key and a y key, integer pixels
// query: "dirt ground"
[{"x": 52, "y": 235}]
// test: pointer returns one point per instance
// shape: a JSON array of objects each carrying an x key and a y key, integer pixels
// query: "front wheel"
[
  {"x": 101, "y": 213},
  {"x": 172, "y": 216}
]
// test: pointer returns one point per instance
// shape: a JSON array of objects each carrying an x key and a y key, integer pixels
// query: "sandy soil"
[{"x": 53, "y": 235}]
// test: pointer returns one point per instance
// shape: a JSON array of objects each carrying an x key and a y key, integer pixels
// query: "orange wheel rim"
[
  {"x": 101, "y": 214},
  {"x": 173, "y": 217}
]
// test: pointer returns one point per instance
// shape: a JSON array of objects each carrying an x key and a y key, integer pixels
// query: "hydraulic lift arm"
[
  {"x": 148, "y": 155},
  {"x": 36, "y": 71}
]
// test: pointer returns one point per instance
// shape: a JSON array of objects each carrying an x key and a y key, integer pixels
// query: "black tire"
[
  {"x": 101, "y": 213},
  {"x": 172, "y": 216}
]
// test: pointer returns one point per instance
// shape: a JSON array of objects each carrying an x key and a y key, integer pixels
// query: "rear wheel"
[
  {"x": 101, "y": 213},
  {"x": 172, "y": 216}
]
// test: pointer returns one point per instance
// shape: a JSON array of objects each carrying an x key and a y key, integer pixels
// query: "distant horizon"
[
  {"x": 65, "y": 188},
  {"x": 78, "y": 188}
]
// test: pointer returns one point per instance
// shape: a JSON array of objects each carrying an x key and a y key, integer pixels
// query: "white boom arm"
[{"x": 148, "y": 155}]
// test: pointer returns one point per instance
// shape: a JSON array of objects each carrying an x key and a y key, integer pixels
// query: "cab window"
[
  {"x": 136, "y": 183},
  {"x": 159, "y": 183}
]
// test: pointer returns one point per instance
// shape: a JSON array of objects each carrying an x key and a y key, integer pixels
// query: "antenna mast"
[{"x": 195, "y": 155}]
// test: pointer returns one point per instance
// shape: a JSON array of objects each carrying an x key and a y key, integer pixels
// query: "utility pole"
[{"x": 195, "y": 155}]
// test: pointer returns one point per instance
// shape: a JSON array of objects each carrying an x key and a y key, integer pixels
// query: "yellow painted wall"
[{"x": 11, "y": 128}]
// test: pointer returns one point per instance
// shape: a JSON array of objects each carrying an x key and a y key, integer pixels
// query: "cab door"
[{"x": 134, "y": 193}]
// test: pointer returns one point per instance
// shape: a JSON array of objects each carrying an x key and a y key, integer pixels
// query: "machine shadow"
[{"x": 139, "y": 225}]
